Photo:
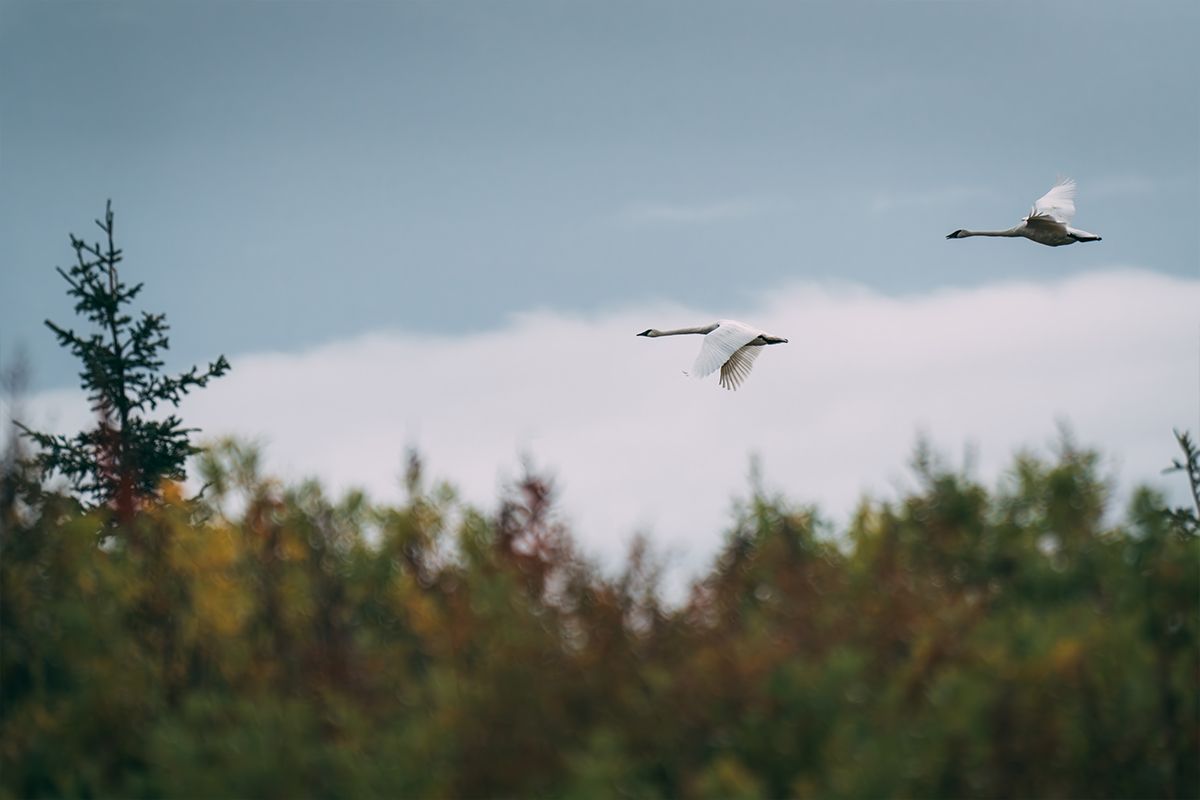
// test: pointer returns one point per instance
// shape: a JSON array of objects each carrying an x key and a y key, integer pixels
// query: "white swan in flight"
[
  {"x": 1049, "y": 222},
  {"x": 728, "y": 344}
]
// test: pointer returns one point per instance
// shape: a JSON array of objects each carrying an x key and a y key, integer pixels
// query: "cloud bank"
[{"x": 638, "y": 446}]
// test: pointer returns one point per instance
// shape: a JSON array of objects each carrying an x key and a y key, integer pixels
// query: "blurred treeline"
[{"x": 269, "y": 641}]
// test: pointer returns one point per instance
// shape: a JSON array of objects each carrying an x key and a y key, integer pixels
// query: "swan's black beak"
[
  {"x": 954, "y": 235},
  {"x": 645, "y": 332}
]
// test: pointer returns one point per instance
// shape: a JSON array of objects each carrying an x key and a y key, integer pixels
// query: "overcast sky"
[{"x": 298, "y": 179}]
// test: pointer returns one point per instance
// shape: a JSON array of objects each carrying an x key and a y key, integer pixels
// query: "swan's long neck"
[
  {"x": 1010, "y": 232},
  {"x": 678, "y": 331}
]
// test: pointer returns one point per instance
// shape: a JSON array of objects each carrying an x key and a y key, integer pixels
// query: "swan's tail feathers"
[{"x": 1083, "y": 236}]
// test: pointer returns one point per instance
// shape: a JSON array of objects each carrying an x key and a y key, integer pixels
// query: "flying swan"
[
  {"x": 728, "y": 344},
  {"x": 1049, "y": 222}
]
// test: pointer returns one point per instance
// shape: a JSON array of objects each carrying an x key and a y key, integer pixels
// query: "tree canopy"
[{"x": 269, "y": 641}]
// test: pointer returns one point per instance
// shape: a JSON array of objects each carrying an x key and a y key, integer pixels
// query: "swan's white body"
[
  {"x": 729, "y": 346},
  {"x": 1048, "y": 223}
]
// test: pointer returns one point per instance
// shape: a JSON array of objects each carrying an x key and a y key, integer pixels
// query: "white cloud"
[{"x": 636, "y": 445}]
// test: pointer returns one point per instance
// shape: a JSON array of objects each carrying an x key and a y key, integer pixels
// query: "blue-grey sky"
[{"x": 286, "y": 174}]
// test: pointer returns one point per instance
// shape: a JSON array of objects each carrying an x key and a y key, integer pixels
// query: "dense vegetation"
[{"x": 265, "y": 641}]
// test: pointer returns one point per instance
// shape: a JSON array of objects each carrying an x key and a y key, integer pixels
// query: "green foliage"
[
  {"x": 124, "y": 459},
  {"x": 270, "y": 641},
  {"x": 1188, "y": 518}
]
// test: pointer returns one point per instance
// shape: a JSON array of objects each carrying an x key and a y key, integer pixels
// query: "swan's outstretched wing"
[
  {"x": 737, "y": 368},
  {"x": 720, "y": 345},
  {"x": 1058, "y": 204}
]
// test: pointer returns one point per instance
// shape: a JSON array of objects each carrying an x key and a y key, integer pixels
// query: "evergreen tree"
[
  {"x": 1187, "y": 520},
  {"x": 125, "y": 457}
]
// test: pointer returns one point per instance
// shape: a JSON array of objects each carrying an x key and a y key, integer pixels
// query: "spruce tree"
[
  {"x": 1187, "y": 520},
  {"x": 123, "y": 460}
]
